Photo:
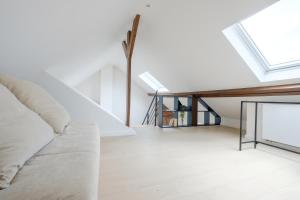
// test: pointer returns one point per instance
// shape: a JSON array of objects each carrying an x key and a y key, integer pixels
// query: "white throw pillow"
[
  {"x": 38, "y": 100},
  {"x": 22, "y": 134}
]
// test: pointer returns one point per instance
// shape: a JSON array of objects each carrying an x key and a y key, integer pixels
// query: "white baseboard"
[{"x": 231, "y": 122}]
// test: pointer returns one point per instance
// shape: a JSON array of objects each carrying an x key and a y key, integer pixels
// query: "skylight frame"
[
  {"x": 152, "y": 82},
  {"x": 245, "y": 36}
]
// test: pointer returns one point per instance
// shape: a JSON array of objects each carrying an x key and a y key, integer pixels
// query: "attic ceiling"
[
  {"x": 37, "y": 35},
  {"x": 179, "y": 42},
  {"x": 182, "y": 44}
]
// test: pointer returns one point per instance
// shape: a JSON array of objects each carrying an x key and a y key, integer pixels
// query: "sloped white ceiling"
[
  {"x": 180, "y": 42},
  {"x": 37, "y": 35}
]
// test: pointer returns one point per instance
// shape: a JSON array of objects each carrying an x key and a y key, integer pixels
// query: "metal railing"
[
  {"x": 255, "y": 140},
  {"x": 152, "y": 114}
]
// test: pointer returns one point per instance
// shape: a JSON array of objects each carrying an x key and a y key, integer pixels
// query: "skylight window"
[
  {"x": 275, "y": 32},
  {"x": 153, "y": 82},
  {"x": 269, "y": 41}
]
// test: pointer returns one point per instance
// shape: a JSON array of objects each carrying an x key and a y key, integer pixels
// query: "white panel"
[
  {"x": 211, "y": 119},
  {"x": 250, "y": 123},
  {"x": 200, "y": 118},
  {"x": 280, "y": 123},
  {"x": 169, "y": 102},
  {"x": 201, "y": 107}
]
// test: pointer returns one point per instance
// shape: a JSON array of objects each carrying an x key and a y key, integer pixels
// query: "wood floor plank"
[{"x": 194, "y": 164}]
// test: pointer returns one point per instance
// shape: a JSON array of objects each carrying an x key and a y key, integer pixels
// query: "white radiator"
[{"x": 281, "y": 123}]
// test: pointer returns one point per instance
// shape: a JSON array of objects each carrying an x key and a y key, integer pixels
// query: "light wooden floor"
[{"x": 194, "y": 164}]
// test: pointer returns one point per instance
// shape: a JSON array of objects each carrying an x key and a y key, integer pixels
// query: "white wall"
[
  {"x": 113, "y": 94},
  {"x": 83, "y": 109},
  {"x": 140, "y": 104},
  {"x": 231, "y": 122},
  {"x": 119, "y": 94},
  {"x": 107, "y": 88},
  {"x": 229, "y": 107},
  {"x": 90, "y": 87},
  {"x": 140, "y": 101}
]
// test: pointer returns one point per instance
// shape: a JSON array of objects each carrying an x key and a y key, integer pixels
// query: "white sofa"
[{"x": 64, "y": 168}]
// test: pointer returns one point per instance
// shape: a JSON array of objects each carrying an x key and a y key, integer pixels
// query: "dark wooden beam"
[
  {"x": 275, "y": 90},
  {"x": 128, "y": 47},
  {"x": 194, "y": 111}
]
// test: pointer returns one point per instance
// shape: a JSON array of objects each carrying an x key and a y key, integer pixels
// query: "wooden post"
[
  {"x": 128, "y": 47},
  {"x": 128, "y": 93},
  {"x": 194, "y": 110}
]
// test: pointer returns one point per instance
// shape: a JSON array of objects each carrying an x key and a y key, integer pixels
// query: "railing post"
[
  {"x": 255, "y": 128},
  {"x": 155, "y": 114},
  {"x": 241, "y": 126},
  {"x": 147, "y": 118}
]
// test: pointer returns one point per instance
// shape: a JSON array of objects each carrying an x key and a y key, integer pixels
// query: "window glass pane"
[
  {"x": 153, "y": 82},
  {"x": 276, "y": 32}
]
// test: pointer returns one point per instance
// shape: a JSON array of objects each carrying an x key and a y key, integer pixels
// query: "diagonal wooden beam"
[
  {"x": 133, "y": 35},
  {"x": 128, "y": 37}
]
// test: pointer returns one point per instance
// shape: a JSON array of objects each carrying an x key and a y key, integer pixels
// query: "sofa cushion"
[
  {"x": 22, "y": 134},
  {"x": 39, "y": 101},
  {"x": 67, "y": 168}
]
